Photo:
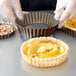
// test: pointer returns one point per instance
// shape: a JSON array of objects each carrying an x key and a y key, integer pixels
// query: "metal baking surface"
[{"x": 11, "y": 63}]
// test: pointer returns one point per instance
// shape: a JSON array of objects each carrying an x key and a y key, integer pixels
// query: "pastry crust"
[
  {"x": 6, "y": 31},
  {"x": 46, "y": 62},
  {"x": 69, "y": 27}
]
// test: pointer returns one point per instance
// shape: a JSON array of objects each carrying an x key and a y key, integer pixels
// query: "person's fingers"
[
  {"x": 73, "y": 8},
  {"x": 61, "y": 4},
  {"x": 11, "y": 17},
  {"x": 69, "y": 11},
  {"x": 58, "y": 14},
  {"x": 59, "y": 8},
  {"x": 17, "y": 8},
  {"x": 65, "y": 17},
  {"x": 6, "y": 11}
]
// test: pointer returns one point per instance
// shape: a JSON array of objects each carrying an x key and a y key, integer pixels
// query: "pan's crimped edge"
[
  {"x": 7, "y": 36},
  {"x": 68, "y": 31},
  {"x": 38, "y": 18},
  {"x": 37, "y": 32}
]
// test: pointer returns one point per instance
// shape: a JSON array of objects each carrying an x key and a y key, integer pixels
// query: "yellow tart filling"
[
  {"x": 71, "y": 23},
  {"x": 6, "y": 29},
  {"x": 43, "y": 49}
]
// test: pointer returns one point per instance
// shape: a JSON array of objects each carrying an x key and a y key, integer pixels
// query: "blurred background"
[{"x": 35, "y": 5}]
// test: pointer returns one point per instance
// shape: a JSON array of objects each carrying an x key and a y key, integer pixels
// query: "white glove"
[
  {"x": 64, "y": 15},
  {"x": 7, "y": 7}
]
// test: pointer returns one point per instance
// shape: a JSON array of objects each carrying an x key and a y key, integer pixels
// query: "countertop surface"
[{"x": 11, "y": 63}]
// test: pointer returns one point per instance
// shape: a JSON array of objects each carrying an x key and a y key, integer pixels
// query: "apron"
[{"x": 36, "y": 5}]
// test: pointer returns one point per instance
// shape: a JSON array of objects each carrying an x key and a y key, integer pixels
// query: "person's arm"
[
  {"x": 65, "y": 10},
  {"x": 7, "y": 7}
]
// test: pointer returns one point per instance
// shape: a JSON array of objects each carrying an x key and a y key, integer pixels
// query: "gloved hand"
[
  {"x": 10, "y": 8},
  {"x": 65, "y": 10}
]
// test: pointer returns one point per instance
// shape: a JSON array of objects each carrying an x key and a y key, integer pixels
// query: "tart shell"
[
  {"x": 8, "y": 35},
  {"x": 46, "y": 62}
]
